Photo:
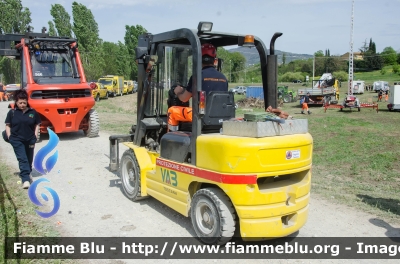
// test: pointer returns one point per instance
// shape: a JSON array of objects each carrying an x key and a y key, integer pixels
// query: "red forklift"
[{"x": 52, "y": 74}]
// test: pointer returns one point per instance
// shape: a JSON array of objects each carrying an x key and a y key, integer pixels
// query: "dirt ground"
[{"x": 93, "y": 205}]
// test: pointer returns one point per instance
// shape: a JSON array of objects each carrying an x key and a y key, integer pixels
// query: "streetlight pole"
[
  {"x": 230, "y": 70},
  {"x": 313, "y": 71},
  {"x": 245, "y": 73}
]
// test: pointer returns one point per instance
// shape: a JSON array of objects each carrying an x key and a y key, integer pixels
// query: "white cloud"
[{"x": 99, "y": 4}]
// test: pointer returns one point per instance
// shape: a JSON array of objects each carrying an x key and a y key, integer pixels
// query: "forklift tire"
[
  {"x": 213, "y": 216},
  {"x": 94, "y": 124},
  {"x": 130, "y": 175},
  {"x": 287, "y": 99},
  {"x": 97, "y": 98},
  {"x": 106, "y": 95}
]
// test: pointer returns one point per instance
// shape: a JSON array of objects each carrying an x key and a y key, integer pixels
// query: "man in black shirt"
[
  {"x": 307, "y": 99},
  {"x": 212, "y": 80}
]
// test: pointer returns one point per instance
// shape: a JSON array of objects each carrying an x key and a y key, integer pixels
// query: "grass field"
[{"x": 356, "y": 157}]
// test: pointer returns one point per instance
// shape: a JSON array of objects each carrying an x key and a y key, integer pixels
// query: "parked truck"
[
  {"x": 324, "y": 91},
  {"x": 358, "y": 87},
  {"x": 380, "y": 85},
  {"x": 114, "y": 84},
  {"x": 394, "y": 97}
]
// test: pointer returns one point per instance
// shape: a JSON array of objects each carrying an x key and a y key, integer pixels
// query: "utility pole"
[
  {"x": 230, "y": 70},
  {"x": 313, "y": 71},
  {"x": 245, "y": 73},
  {"x": 351, "y": 56}
]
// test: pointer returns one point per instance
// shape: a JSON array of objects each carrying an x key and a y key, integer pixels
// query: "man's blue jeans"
[{"x": 24, "y": 153}]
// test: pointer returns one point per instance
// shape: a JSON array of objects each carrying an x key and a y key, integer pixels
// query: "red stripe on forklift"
[{"x": 208, "y": 175}]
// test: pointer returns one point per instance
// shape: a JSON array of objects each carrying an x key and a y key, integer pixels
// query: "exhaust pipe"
[{"x": 272, "y": 74}]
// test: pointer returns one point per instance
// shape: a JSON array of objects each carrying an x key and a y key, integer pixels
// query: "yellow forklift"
[{"x": 254, "y": 187}]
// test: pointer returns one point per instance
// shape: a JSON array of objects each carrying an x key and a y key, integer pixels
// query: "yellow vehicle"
[
  {"x": 128, "y": 87},
  {"x": 257, "y": 186},
  {"x": 114, "y": 84},
  {"x": 98, "y": 91}
]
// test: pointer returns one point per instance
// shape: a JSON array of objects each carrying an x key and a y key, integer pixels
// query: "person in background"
[
  {"x": 386, "y": 95},
  {"x": 380, "y": 96},
  {"x": 22, "y": 128},
  {"x": 3, "y": 94},
  {"x": 306, "y": 100}
]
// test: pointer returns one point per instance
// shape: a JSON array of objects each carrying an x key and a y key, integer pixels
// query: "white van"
[
  {"x": 358, "y": 87},
  {"x": 394, "y": 97},
  {"x": 381, "y": 85}
]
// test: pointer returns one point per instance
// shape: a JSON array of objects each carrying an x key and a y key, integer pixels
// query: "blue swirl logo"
[
  {"x": 35, "y": 200},
  {"x": 38, "y": 165},
  {"x": 51, "y": 161}
]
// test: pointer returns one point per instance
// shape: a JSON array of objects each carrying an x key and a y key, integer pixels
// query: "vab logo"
[{"x": 38, "y": 165}]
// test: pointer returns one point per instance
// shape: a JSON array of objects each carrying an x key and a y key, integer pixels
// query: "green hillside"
[{"x": 370, "y": 77}]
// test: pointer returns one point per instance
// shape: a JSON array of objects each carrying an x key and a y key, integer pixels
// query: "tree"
[
  {"x": 132, "y": 34},
  {"x": 61, "y": 20},
  {"x": 389, "y": 56},
  {"x": 13, "y": 19},
  {"x": 110, "y": 56},
  {"x": 87, "y": 33},
  {"x": 396, "y": 68},
  {"x": 319, "y": 53},
  {"x": 52, "y": 29},
  {"x": 238, "y": 64},
  {"x": 123, "y": 61},
  {"x": 284, "y": 58},
  {"x": 373, "y": 61}
]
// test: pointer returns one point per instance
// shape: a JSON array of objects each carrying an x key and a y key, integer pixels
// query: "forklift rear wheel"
[
  {"x": 130, "y": 175},
  {"x": 97, "y": 97},
  {"x": 106, "y": 95},
  {"x": 213, "y": 216},
  {"x": 94, "y": 124}
]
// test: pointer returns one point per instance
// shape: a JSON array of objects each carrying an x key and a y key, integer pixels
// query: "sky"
[{"x": 307, "y": 25}]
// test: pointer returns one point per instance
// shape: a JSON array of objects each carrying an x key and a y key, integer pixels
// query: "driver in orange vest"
[
  {"x": 3, "y": 93},
  {"x": 212, "y": 80}
]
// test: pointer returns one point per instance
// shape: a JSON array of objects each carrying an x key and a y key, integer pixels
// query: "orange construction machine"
[{"x": 52, "y": 73}]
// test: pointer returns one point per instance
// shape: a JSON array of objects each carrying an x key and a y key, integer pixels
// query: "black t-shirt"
[
  {"x": 212, "y": 80},
  {"x": 22, "y": 124},
  {"x": 306, "y": 99},
  {"x": 1, "y": 89}
]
